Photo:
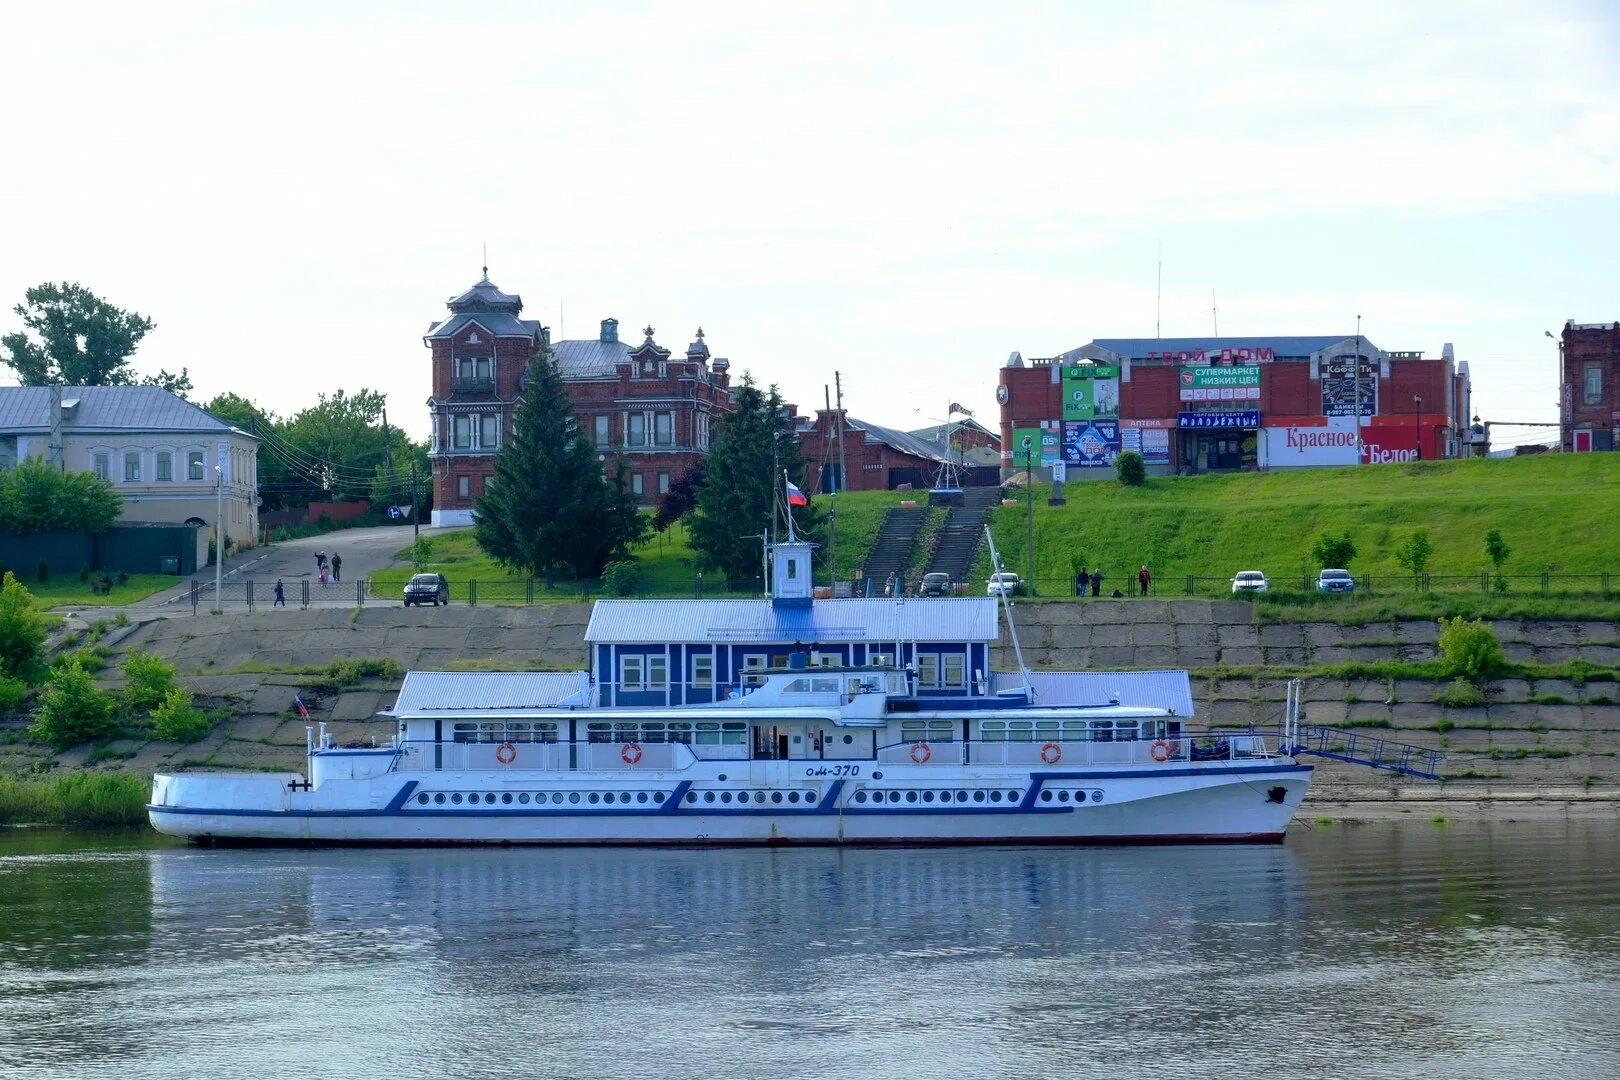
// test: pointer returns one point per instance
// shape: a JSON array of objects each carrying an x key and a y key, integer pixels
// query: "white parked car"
[
  {"x": 1003, "y": 584},
  {"x": 1250, "y": 581}
]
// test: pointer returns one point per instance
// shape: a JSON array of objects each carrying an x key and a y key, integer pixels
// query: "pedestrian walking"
[
  {"x": 1143, "y": 578},
  {"x": 320, "y": 561},
  {"x": 1082, "y": 582},
  {"x": 337, "y": 568},
  {"x": 322, "y": 577},
  {"x": 281, "y": 595},
  {"x": 1096, "y": 582}
]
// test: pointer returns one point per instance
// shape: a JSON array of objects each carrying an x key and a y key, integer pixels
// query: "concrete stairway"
[
  {"x": 962, "y": 533},
  {"x": 891, "y": 549}
]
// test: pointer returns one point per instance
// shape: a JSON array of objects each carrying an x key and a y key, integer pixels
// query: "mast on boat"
[{"x": 1006, "y": 607}]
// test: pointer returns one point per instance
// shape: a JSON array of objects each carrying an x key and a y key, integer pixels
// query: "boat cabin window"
[
  {"x": 954, "y": 671},
  {"x": 702, "y": 672},
  {"x": 927, "y": 730},
  {"x": 881, "y": 659},
  {"x": 632, "y": 672},
  {"x": 928, "y": 669},
  {"x": 753, "y": 666},
  {"x": 496, "y": 731},
  {"x": 727, "y": 733},
  {"x": 821, "y": 685},
  {"x": 657, "y": 672}
]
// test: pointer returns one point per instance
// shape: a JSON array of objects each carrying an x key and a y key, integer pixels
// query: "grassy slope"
[
  {"x": 68, "y": 589},
  {"x": 1557, "y": 512}
]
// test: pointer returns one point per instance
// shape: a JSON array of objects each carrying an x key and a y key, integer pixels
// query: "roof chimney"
[{"x": 610, "y": 330}]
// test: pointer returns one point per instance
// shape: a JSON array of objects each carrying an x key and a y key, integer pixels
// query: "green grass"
[
  {"x": 66, "y": 589},
  {"x": 1215, "y": 525},
  {"x": 75, "y": 799}
]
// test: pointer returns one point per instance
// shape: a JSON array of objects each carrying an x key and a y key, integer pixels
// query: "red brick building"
[
  {"x": 1221, "y": 404},
  {"x": 880, "y": 458},
  {"x": 657, "y": 408},
  {"x": 1589, "y": 408}
]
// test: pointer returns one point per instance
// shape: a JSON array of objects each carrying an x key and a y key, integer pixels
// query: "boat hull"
[{"x": 1194, "y": 803}]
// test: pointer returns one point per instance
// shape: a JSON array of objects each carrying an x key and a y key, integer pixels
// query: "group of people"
[
  {"x": 1093, "y": 580},
  {"x": 328, "y": 571}
]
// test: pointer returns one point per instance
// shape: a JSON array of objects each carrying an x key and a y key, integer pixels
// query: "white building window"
[
  {"x": 664, "y": 428},
  {"x": 632, "y": 672},
  {"x": 928, "y": 669},
  {"x": 464, "y": 486},
  {"x": 702, "y": 672},
  {"x": 753, "y": 668},
  {"x": 604, "y": 428},
  {"x": 1594, "y": 386},
  {"x": 489, "y": 431},
  {"x": 703, "y": 431},
  {"x": 657, "y": 672},
  {"x": 463, "y": 432},
  {"x": 955, "y": 670},
  {"x": 636, "y": 485},
  {"x": 102, "y": 464},
  {"x": 635, "y": 429},
  {"x": 663, "y": 483},
  {"x": 164, "y": 466}
]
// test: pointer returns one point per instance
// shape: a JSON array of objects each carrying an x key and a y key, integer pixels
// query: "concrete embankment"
[{"x": 1532, "y": 745}]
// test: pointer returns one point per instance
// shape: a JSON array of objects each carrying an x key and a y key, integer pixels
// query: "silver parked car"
[{"x": 1002, "y": 584}]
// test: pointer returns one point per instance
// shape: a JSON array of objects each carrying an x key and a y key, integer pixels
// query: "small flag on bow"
[{"x": 298, "y": 703}]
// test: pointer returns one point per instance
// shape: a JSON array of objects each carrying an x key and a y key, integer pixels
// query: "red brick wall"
[{"x": 1585, "y": 346}]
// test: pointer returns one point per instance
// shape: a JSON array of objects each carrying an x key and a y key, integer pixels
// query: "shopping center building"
[{"x": 1228, "y": 404}]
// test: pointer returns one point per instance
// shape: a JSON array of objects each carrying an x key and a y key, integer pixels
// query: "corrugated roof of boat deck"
[
  {"x": 1153, "y": 689},
  {"x": 826, "y": 621},
  {"x": 435, "y": 692}
]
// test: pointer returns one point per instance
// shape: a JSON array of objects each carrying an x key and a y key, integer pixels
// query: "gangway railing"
[{"x": 1359, "y": 748}]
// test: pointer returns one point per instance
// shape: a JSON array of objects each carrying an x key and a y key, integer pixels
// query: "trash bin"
[{"x": 169, "y": 564}]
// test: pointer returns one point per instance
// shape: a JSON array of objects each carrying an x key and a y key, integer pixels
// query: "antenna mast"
[
  {"x": 1006, "y": 607},
  {"x": 1214, "y": 313},
  {"x": 1158, "y": 294}
]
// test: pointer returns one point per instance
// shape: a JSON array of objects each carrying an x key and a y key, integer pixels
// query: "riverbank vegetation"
[{"x": 79, "y": 798}]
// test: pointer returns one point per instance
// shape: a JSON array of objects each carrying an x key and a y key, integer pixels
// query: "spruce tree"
[
  {"x": 742, "y": 492},
  {"x": 548, "y": 508}
]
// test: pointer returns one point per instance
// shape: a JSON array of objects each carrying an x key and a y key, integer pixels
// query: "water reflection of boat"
[{"x": 780, "y": 721}]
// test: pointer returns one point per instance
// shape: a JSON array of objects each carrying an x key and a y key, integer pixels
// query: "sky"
[{"x": 901, "y": 193}]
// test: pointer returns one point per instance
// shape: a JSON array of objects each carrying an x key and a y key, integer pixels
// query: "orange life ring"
[
  {"x": 921, "y": 752},
  {"x": 1160, "y": 751},
  {"x": 1051, "y": 753},
  {"x": 631, "y": 752},
  {"x": 506, "y": 753}
]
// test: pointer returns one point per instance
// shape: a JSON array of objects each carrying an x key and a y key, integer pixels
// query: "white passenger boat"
[{"x": 775, "y": 721}]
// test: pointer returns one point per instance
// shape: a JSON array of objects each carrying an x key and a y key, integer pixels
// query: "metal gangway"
[{"x": 1355, "y": 747}]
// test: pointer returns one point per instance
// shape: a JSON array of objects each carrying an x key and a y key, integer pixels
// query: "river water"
[{"x": 1376, "y": 950}]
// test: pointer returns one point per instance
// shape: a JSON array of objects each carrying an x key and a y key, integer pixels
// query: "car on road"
[
  {"x": 935, "y": 584},
  {"x": 1335, "y": 581},
  {"x": 427, "y": 589},
  {"x": 1002, "y": 584},
  {"x": 1250, "y": 581}
]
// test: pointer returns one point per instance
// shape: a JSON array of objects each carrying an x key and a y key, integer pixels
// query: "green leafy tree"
[
  {"x": 1333, "y": 551},
  {"x": 549, "y": 510},
  {"x": 22, "y": 630},
  {"x": 72, "y": 336},
  {"x": 420, "y": 552},
  {"x": 178, "y": 385},
  {"x": 679, "y": 500},
  {"x": 1470, "y": 649},
  {"x": 35, "y": 497},
  {"x": 1496, "y": 549},
  {"x": 742, "y": 495},
  {"x": 72, "y": 709},
  {"x": 1130, "y": 468},
  {"x": 148, "y": 680},
  {"x": 176, "y": 719},
  {"x": 1414, "y": 552}
]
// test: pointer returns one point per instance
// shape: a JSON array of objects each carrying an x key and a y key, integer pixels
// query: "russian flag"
[
  {"x": 298, "y": 703},
  {"x": 795, "y": 496}
]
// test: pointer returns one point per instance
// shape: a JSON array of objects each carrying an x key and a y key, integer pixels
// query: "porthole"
[
  {"x": 978, "y": 796},
  {"x": 776, "y": 796},
  {"x": 506, "y": 797},
  {"x": 489, "y": 797},
  {"x": 1096, "y": 796},
  {"x": 594, "y": 798},
  {"x": 1013, "y": 796},
  {"x": 894, "y": 796},
  {"x": 708, "y": 796},
  {"x": 422, "y": 798},
  {"x": 523, "y": 797},
  {"x": 691, "y": 796},
  {"x": 641, "y": 796},
  {"x": 1046, "y": 796},
  {"x": 659, "y": 795},
  {"x": 439, "y": 798},
  {"x": 793, "y": 796},
  {"x": 995, "y": 796},
  {"x": 1063, "y": 796},
  {"x": 860, "y": 796},
  {"x": 556, "y": 797},
  {"x": 911, "y": 796},
  {"x": 725, "y": 796},
  {"x": 961, "y": 796},
  {"x": 573, "y": 797},
  {"x": 456, "y": 798},
  {"x": 848, "y": 739},
  {"x": 759, "y": 796},
  {"x": 928, "y": 796}
]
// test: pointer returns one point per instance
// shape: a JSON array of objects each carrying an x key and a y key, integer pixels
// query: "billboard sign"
[
  {"x": 1043, "y": 444},
  {"x": 1243, "y": 354},
  {"x": 1237, "y": 383},
  {"x": 1153, "y": 443},
  {"x": 1342, "y": 388},
  {"x": 1243, "y": 418},
  {"x": 1381, "y": 445},
  {"x": 1090, "y": 391},
  {"x": 1090, "y": 443},
  {"x": 1293, "y": 446}
]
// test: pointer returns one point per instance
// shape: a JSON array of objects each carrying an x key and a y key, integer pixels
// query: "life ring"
[
  {"x": 1160, "y": 751},
  {"x": 631, "y": 752},
  {"x": 921, "y": 752},
  {"x": 506, "y": 753},
  {"x": 1051, "y": 753}
]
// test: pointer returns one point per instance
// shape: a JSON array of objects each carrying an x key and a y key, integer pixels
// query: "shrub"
[
  {"x": 71, "y": 709},
  {"x": 1130, "y": 468},
  {"x": 1461, "y": 694},
  {"x": 78, "y": 798},
  {"x": 1470, "y": 649},
  {"x": 420, "y": 552},
  {"x": 1333, "y": 551},
  {"x": 622, "y": 578},
  {"x": 22, "y": 630},
  {"x": 176, "y": 719},
  {"x": 348, "y": 671},
  {"x": 12, "y": 692},
  {"x": 150, "y": 679}
]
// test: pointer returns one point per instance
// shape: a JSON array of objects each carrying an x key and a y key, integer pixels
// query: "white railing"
[
  {"x": 555, "y": 757},
  {"x": 1070, "y": 753}
]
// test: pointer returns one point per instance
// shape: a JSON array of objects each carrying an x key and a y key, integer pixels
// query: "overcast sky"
[{"x": 902, "y": 192}]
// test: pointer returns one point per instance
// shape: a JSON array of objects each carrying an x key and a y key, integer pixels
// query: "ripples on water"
[{"x": 1352, "y": 951}]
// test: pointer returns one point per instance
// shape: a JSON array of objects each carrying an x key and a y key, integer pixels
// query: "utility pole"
[
  {"x": 1029, "y": 506},
  {"x": 388, "y": 450},
  {"x": 219, "y": 539},
  {"x": 832, "y": 516},
  {"x": 416, "y": 509}
]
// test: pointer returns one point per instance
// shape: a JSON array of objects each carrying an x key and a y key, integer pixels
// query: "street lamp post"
[
  {"x": 1029, "y": 512},
  {"x": 219, "y": 539}
]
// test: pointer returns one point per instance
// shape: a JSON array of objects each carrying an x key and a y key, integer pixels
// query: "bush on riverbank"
[
  {"x": 72, "y": 709},
  {"x": 75, "y": 799}
]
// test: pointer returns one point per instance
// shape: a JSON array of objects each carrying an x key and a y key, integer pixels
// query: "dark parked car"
[
  {"x": 427, "y": 589},
  {"x": 1335, "y": 581},
  {"x": 935, "y": 584}
]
